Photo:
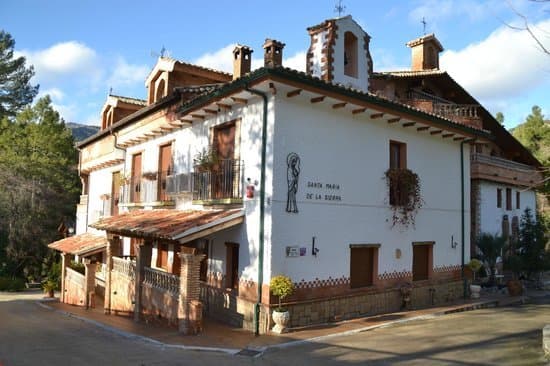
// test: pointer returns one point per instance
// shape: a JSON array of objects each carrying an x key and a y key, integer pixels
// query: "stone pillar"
[
  {"x": 189, "y": 319},
  {"x": 113, "y": 249},
  {"x": 89, "y": 284},
  {"x": 143, "y": 259},
  {"x": 65, "y": 258}
]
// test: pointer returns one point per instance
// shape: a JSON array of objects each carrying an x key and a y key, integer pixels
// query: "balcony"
[
  {"x": 466, "y": 114},
  {"x": 147, "y": 189},
  {"x": 221, "y": 184},
  {"x": 503, "y": 170}
]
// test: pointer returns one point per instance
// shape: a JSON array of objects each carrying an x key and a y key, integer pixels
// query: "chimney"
[
  {"x": 242, "y": 58},
  {"x": 425, "y": 53},
  {"x": 273, "y": 53}
]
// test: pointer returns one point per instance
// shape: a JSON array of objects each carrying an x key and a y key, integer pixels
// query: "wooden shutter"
[
  {"x": 224, "y": 141},
  {"x": 136, "y": 179},
  {"x": 165, "y": 169},
  {"x": 232, "y": 266},
  {"x": 115, "y": 193}
]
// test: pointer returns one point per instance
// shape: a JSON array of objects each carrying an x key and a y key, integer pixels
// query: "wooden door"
[
  {"x": 232, "y": 266},
  {"x": 421, "y": 255},
  {"x": 361, "y": 267},
  {"x": 224, "y": 144},
  {"x": 135, "y": 193},
  {"x": 165, "y": 169},
  {"x": 115, "y": 193}
]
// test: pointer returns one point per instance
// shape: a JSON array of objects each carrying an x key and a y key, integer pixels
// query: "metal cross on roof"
[
  {"x": 424, "y": 24},
  {"x": 339, "y": 8}
]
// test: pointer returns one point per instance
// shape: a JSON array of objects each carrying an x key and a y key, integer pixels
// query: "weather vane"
[
  {"x": 339, "y": 8},
  {"x": 424, "y": 24}
]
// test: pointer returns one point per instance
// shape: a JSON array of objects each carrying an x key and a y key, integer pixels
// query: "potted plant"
[
  {"x": 206, "y": 159},
  {"x": 405, "y": 198},
  {"x": 281, "y": 286},
  {"x": 475, "y": 265},
  {"x": 49, "y": 287}
]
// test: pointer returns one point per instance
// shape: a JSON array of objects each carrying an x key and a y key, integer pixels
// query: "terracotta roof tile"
[
  {"x": 80, "y": 244},
  {"x": 165, "y": 223},
  {"x": 130, "y": 100}
]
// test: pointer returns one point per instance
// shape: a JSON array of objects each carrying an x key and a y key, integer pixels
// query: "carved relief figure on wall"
[{"x": 292, "y": 175}]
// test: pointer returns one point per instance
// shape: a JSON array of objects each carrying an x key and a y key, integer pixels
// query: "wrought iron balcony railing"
[{"x": 223, "y": 181}]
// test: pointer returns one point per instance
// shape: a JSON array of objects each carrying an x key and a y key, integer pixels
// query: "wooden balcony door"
[
  {"x": 115, "y": 193},
  {"x": 224, "y": 144},
  {"x": 165, "y": 169},
  {"x": 135, "y": 193}
]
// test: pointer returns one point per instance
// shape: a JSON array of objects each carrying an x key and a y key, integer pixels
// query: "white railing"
[
  {"x": 125, "y": 267},
  {"x": 162, "y": 280},
  {"x": 75, "y": 277},
  {"x": 505, "y": 163}
]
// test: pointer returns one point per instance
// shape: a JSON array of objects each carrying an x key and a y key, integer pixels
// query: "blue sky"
[{"x": 81, "y": 49}]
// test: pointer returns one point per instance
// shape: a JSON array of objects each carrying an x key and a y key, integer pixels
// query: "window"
[
  {"x": 363, "y": 265},
  {"x": 162, "y": 256},
  {"x": 508, "y": 199},
  {"x": 115, "y": 193},
  {"x": 422, "y": 260},
  {"x": 135, "y": 184},
  {"x": 165, "y": 169},
  {"x": 350, "y": 54},
  {"x": 499, "y": 197},
  {"x": 517, "y": 200},
  {"x": 398, "y": 160},
  {"x": 232, "y": 266}
]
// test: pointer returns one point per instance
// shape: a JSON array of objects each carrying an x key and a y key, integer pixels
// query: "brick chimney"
[
  {"x": 242, "y": 58},
  {"x": 273, "y": 53},
  {"x": 425, "y": 52}
]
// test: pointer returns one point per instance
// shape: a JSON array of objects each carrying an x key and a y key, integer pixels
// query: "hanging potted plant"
[
  {"x": 150, "y": 175},
  {"x": 281, "y": 286},
  {"x": 475, "y": 265},
  {"x": 405, "y": 198}
]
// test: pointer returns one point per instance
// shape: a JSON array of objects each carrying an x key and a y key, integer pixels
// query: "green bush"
[
  {"x": 281, "y": 286},
  {"x": 11, "y": 284},
  {"x": 77, "y": 266}
]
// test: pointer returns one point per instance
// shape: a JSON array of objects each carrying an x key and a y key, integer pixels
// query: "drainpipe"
[
  {"x": 262, "y": 212},
  {"x": 117, "y": 146},
  {"x": 462, "y": 218}
]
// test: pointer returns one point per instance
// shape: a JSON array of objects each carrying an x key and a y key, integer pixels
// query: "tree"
[
  {"x": 16, "y": 92},
  {"x": 534, "y": 134},
  {"x": 500, "y": 117},
  {"x": 491, "y": 247},
  {"x": 38, "y": 163},
  {"x": 532, "y": 244}
]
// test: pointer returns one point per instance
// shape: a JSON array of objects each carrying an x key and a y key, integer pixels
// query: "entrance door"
[
  {"x": 224, "y": 143},
  {"x": 135, "y": 193},
  {"x": 165, "y": 169}
]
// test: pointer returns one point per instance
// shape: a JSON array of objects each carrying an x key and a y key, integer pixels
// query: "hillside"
[{"x": 81, "y": 132}]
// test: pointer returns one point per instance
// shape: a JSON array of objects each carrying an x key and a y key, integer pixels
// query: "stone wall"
[
  {"x": 159, "y": 304},
  {"x": 368, "y": 304},
  {"x": 122, "y": 293}
]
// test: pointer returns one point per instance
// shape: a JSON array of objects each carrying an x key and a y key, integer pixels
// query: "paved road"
[{"x": 31, "y": 335}]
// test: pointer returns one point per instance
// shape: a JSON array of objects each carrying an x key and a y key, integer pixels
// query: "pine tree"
[{"x": 16, "y": 92}]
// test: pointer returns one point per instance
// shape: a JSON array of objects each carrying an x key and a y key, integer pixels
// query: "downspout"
[
  {"x": 262, "y": 211},
  {"x": 462, "y": 219}
]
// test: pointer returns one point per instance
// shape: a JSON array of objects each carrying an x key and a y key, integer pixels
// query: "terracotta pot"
[
  {"x": 515, "y": 287},
  {"x": 281, "y": 319},
  {"x": 474, "y": 291}
]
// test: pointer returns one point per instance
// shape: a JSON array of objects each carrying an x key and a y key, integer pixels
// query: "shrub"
[
  {"x": 79, "y": 267},
  {"x": 11, "y": 284},
  {"x": 281, "y": 286}
]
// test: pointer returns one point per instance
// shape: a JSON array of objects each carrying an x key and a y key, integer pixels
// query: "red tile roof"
[
  {"x": 168, "y": 224},
  {"x": 80, "y": 244}
]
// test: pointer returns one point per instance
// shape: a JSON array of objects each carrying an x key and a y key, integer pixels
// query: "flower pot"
[
  {"x": 281, "y": 319},
  {"x": 474, "y": 291},
  {"x": 515, "y": 287}
]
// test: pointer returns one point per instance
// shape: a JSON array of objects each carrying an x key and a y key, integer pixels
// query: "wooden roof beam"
[
  {"x": 377, "y": 115},
  {"x": 359, "y": 110},
  {"x": 423, "y": 128},
  {"x": 210, "y": 111},
  {"x": 394, "y": 120},
  {"x": 338, "y": 105},
  {"x": 224, "y": 106},
  {"x": 436, "y": 132},
  {"x": 317, "y": 99},
  {"x": 198, "y": 116},
  {"x": 447, "y": 135},
  {"x": 293, "y": 93},
  {"x": 409, "y": 124},
  {"x": 239, "y": 100},
  {"x": 459, "y": 138}
]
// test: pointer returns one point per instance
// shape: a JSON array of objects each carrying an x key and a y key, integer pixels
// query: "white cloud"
[
  {"x": 505, "y": 64},
  {"x": 219, "y": 60},
  {"x": 55, "y": 94},
  {"x": 62, "y": 60},
  {"x": 125, "y": 74},
  {"x": 222, "y": 60}
]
